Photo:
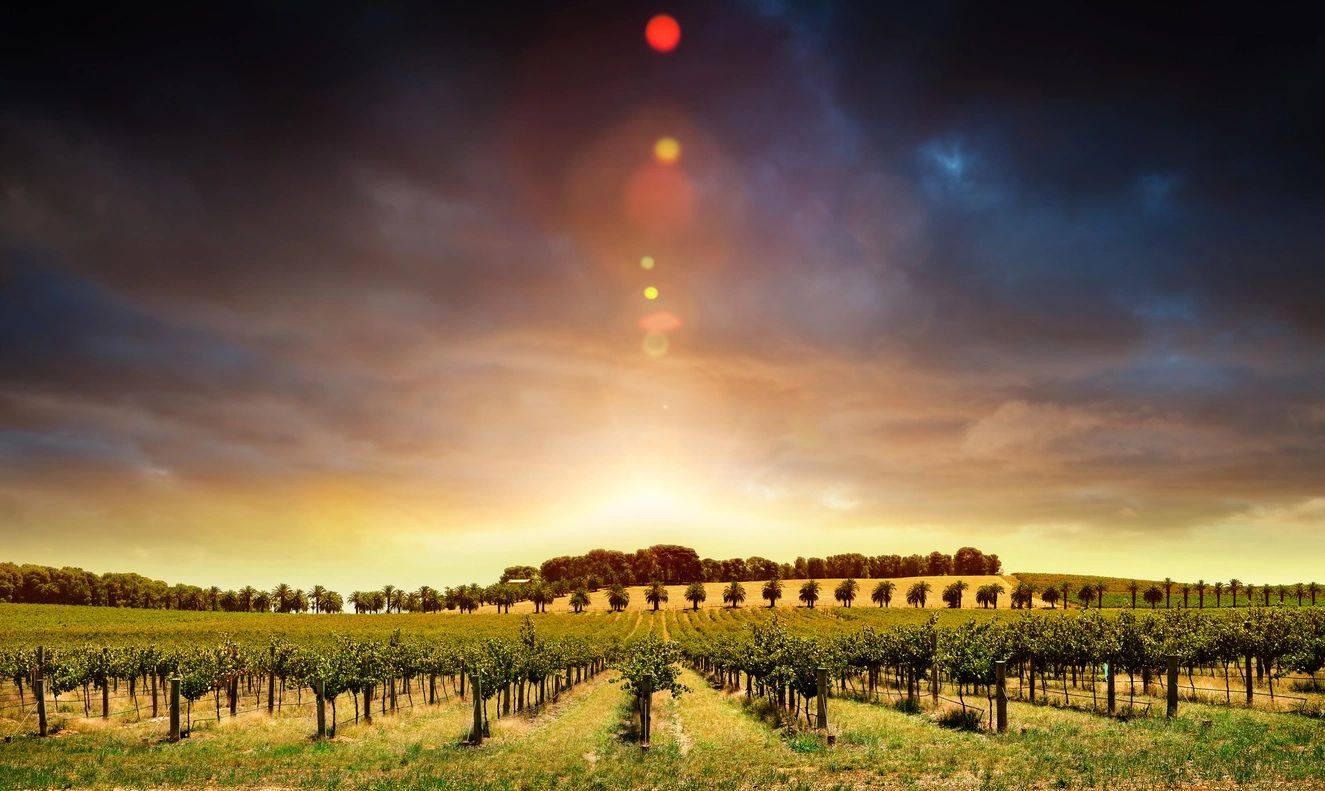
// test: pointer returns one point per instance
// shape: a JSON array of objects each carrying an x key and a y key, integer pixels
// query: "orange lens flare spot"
[
  {"x": 646, "y": 262},
  {"x": 656, "y": 344},
  {"x": 663, "y": 33},
  {"x": 661, "y": 321},
  {"x": 650, "y": 292},
  {"x": 667, "y": 150}
]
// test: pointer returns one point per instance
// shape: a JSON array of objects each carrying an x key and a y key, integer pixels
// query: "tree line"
[{"x": 677, "y": 565}]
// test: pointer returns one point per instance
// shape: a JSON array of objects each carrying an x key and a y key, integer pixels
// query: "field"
[{"x": 711, "y": 737}]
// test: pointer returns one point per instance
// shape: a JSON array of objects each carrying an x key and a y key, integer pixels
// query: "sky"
[{"x": 351, "y": 294}]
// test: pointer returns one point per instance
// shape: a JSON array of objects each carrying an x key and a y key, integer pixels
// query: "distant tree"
[
  {"x": 952, "y": 593},
  {"x": 845, "y": 592},
  {"x": 281, "y": 597},
  {"x": 618, "y": 597},
  {"x": 918, "y": 594},
  {"x": 214, "y": 595},
  {"x": 1281, "y": 590},
  {"x": 1050, "y": 595},
  {"x": 262, "y": 602},
  {"x": 1132, "y": 588},
  {"x": 1186, "y": 592},
  {"x": 1219, "y": 594},
  {"x": 1168, "y": 591},
  {"x": 1066, "y": 594},
  {"x": 695, "y": 593},
  {"x": 332, "y": 602},
  {"x": 1200, "y": 594},
  {"x": 809, "y": 593},
  {"x": 1234, "y": 585},
  {"x": 987, "y": 595},
  {"x": 246, "y": 596},
  {"x": 733, "y": 594},
  {"x": 1153, "y": 596},
  {"x": 579, "y": 600},
  {"x": 883, "y": 593},
  {"x": 1312, "y": 588},
  {"x": 655, "y": 594},
  {"x": 388, "y": 594},
  {"x": 1099, "y": 595},
  {"x": 1023, "y": 596},
  {"x": 1086, "y": 595},
  {"x": 1299, "y": 589},
  {"x": 315, "y": 598},
  {"x": 772, "y": 591},
  {"x": 1251, "y": 594}
]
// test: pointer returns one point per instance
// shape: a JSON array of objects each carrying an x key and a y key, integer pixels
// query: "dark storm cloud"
[{"x": 1009, "y": 245}]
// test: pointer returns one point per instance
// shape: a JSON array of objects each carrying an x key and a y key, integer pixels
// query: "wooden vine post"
[
  {"x": 321, "y": 709},
  {"x": 174, "y": 709},
  {"x": 1171, "y": 687},
  {"x": 271, "y": 682},
  {"x": 646, "y": 711},
  {"x": 476, "y": 684},
  {"x": 1001, "y": 681},
  {"x": 821, "y": 693},
  {"x": 39, "y": 687}
]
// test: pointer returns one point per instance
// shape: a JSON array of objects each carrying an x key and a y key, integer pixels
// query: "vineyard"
[{"x": 785, "y": 691}]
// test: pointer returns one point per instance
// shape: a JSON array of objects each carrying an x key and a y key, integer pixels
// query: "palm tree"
[
  {"x": 988, "y": 595},
  {"x": 883, "y": 593},
  {"x": 1219, "y": 594},
  {"x": 1299, "y": 589},
  {"x": 655, "y": 594},
  {"x": 1281, "y": 590},
  {"x": 1132, "y": 588},
  {"x": 845, "y": 591},
  {"x": 1050, "y": 595},
  {"x": 1234, "y": 585},
  {"x": 695, "y": 594},
  {"x": 1086, "y": 595},
  {"x": 1023, "y": 596},
  {"x": 281, "y": 596},
  {"x": 1312, "y": 588},
  {"x": 810, "y": 593},
  {"x": 1186, "y": 591},
  {"x": 214, "y": 593},
  {"x": 618, "y": 597},
  {"x": 1099, "y": 593},
  {"x": 772, "y": 591},
  {"x": 388, "y": 591},
  {"x": 1200, "y": 594},
  {"x": 246, "y": 596},
  {"x": 918, "y": 594},
  {"x": 733, "y": 594},
  {"x": 1154, "y": 596},
  {"x": 318, "y": 593},
  {"x": 579, "y": 600},
  {"x": 952, "y": 594},
  {"x": 1251, "y": 594},
  {"x": 1067, "y": 594},
  {"x": 1168, "y": 591}
]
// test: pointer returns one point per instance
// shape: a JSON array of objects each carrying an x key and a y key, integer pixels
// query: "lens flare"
[
  {"x": 656, "y": 344},
  {"x": 667, "y": 150},
  {"x": 660, "y": 321},
  {"x": 663, "y": 33},
  {"x": 650, "y": 292},
  {"x": 646, "y": 262}
]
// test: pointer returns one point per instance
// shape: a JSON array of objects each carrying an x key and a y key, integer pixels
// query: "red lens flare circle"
[{"x": 663, "y": 33}]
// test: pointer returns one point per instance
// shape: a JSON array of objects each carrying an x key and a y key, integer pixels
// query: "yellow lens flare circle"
[
  {"x": 650, "y": 292},
  {"x": 656, "y": 344},
  {"x": 646, "y": 262},
  {"x": 667, "y": 150}
]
